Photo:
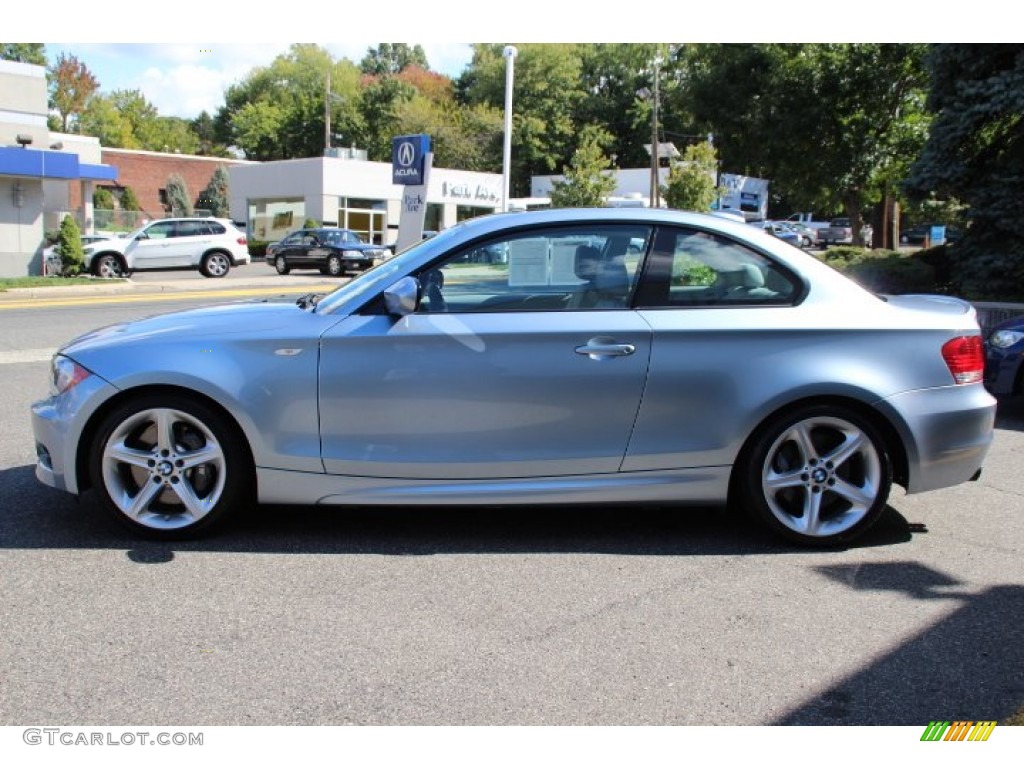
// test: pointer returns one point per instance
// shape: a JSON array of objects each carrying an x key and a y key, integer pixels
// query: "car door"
[
  {"x": 725, "y": 336},
  {"x": 527, "y": 363},
  {"x": 153, "y": 248}
]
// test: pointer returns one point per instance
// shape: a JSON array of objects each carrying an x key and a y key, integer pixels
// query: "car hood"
[{"x": 253, "y": 319}]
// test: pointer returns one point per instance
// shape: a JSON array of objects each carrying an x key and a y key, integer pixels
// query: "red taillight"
[
  {"x": 965, "y": 357},
  {"x": 242, "y": 241}
]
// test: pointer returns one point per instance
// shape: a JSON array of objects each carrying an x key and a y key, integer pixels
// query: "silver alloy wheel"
[
  {"x": 216, "y": 265},
  {"x": 163, "y": 469},
  {"x": 109, "y": 266},
  {"x": 281, "y": 265},
  {"x": 335, "y": 267},
  {"x": 822, "y": 476}
]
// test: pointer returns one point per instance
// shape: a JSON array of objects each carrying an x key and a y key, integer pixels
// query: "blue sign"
[{"x": 408, "y": 154}]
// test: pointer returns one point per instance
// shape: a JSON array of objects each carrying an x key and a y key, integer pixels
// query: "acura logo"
[{"x": 406, "y": 153}]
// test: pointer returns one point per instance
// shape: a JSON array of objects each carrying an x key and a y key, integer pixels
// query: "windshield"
[{"x": 379, "y": 277}]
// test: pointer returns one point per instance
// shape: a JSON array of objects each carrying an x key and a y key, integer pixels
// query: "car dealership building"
[{"x": 346, "y": 190}]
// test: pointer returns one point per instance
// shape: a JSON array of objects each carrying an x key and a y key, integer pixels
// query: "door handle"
[{"x": 601, "y": 348}]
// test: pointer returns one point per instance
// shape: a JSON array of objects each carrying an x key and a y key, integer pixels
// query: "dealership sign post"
[{"x": 411, "y": 159}]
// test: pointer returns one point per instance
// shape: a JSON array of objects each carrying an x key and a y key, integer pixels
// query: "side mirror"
[{"x": 402, "y": 298}]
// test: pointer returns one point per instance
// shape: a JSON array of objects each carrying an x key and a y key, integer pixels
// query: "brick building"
[{"x": 147, "y": 173}]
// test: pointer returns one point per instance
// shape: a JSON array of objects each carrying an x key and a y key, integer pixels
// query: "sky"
[
  {"x": 183, "y": 79},
  {"x": 183, "y": 59}
]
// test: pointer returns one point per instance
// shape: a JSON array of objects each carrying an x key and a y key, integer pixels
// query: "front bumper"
[{"x": 58, "y": 423}]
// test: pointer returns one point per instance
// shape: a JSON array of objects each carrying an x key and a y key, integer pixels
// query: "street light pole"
[
  {"x": 655, "y": 186},
  {"x": 327, "y": 114},
  {"x": 510, "y": 53}
]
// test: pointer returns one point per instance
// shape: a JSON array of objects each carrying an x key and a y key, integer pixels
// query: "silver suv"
[{"x": 210, "y": 245}]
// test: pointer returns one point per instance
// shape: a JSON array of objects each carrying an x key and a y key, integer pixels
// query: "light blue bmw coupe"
[{"x": 565, "y": 356}]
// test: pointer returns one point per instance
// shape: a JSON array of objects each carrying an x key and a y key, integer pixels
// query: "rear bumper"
[{"x": 946, "y": 431}]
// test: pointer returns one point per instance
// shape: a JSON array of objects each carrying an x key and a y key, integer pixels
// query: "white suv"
[{"x": 210, "y": 245}]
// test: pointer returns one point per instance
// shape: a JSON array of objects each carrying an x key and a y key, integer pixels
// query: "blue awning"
[{"x": 47, "y": 164}]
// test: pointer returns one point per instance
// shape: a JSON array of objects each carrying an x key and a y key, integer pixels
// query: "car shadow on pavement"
[
  {"x": 968, "y": 666},
  {"x": 36, "y": 517}
]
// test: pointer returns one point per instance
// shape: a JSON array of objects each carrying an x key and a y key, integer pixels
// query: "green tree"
[
  {"x": 178, "y": 198},
  {"x": 382, "y": 100},
  {"x": 71, "y": 86},
  {"x": 277, "y": 112},
  {"x": 214, "y": 197},
  {"x": 392, "y": 58},
  {"x": 69, "y": 244},
  {"x": 103, "y": 198},
  {"x": 26, "y": 53},
  {"x": 548, "y": 90},
  {"x": 129, "y": 202},
  {"x": 975, "y": 153},
  {"x": 618, "y": 82},
  {"x": 827, "y": 124},
  {"x": 103, "y": 119},
  {"x": 693, "y": 182},
  {"x": 587, "y": 182}
]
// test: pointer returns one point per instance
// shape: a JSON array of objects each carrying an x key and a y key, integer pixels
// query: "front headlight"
[
  {"x": 348, "y": 254},
  {"x": 65, "y": 373},
  {"x": 1004, "y": 339}
]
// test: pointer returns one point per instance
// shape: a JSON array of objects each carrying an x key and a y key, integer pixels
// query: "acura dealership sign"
[{"x": 408, "y": 154}]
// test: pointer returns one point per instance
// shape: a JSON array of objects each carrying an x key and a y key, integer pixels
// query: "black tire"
[
  {"x": 168, "y": 467},
  {"x": 281, "y": 265},
  {"x": 109, "y": 265},
  {"x": 819, "y": 475},
  {"x": 215, "y": 264},
  {"x": 335, "y": 266}
]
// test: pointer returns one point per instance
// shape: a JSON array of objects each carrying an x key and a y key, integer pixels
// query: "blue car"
[
  {"x": 1004, "y": 354},
  {"x": 590, "y": 359}
]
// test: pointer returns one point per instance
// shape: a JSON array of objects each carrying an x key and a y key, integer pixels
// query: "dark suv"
[{"x": 332, "y": 250}]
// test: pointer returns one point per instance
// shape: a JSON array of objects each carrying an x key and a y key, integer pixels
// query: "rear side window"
[{"x": 691, "y": 268}]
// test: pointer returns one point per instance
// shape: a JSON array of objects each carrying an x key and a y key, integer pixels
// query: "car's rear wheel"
[
  {"x": 819, "y": 475},
  {"x": 108, "y": 265},
  {"x": 335, "y": 266},
  {"x": 281, "y": 265},
  {"x": 215, "y": 264},
  {"x": 168, "y": 466}
]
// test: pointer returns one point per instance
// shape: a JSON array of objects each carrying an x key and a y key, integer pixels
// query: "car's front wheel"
[
  {"x": 281, "y": 265},
  {"x": 108, "y": 265},
  {"x": 819, "y": 475},
  {"x": 215, "y": 264},
  {"x": 335, "y": 266},
  {"x": 168, "y": 466}
]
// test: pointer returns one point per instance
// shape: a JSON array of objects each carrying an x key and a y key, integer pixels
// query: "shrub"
[
  {"x": 69, "y": 243},
  {"x": 258, "y": 248},
  {"x": 310, "y": 224}
]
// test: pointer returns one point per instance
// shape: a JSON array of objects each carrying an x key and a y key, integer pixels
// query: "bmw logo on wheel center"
[{"x": 407, "y": 156}]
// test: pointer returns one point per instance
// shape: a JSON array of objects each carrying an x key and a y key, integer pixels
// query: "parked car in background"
[
  {"x": 779, "y": 230},
  {"x": 1004, "y": 358},
  {"x": 210, "y": 245},
  {"x": 917, "y": 235},
  {"x": 808, "y": 236},
  {"x": 615, "y": 356},
  {"x": 838, "y": 232},
  {"x": 332, "y": 250}
]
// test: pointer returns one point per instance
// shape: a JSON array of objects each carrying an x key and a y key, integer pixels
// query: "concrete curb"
[{"x": 270, "y": 283}]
